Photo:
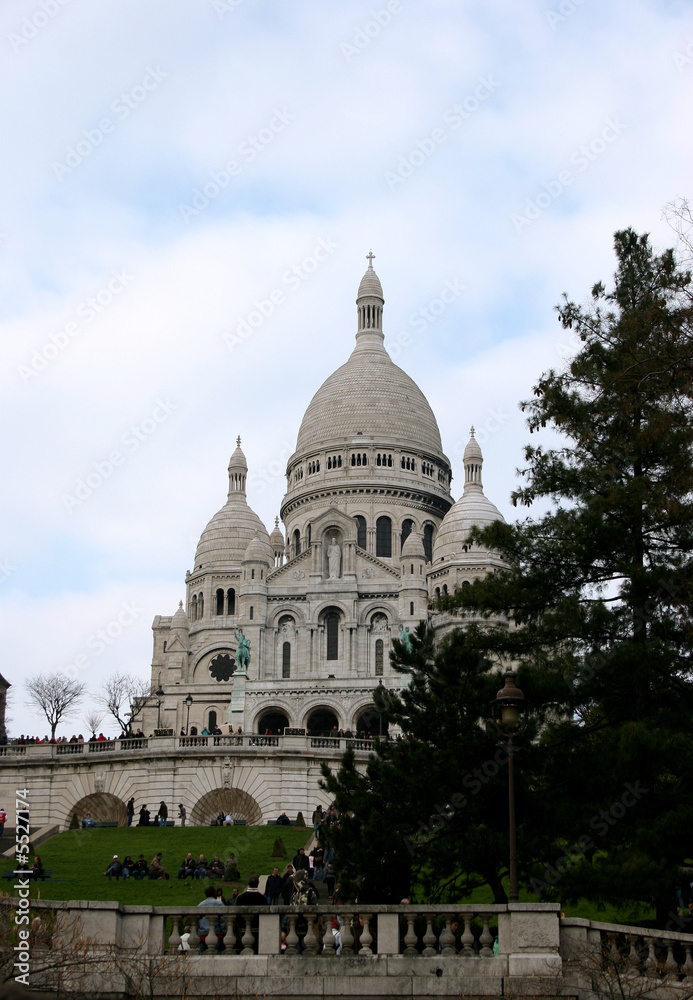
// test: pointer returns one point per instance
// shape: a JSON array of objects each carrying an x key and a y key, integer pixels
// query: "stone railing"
[
  {"x": 513, "y": 950},
  {"x": 613, "y": 950},
  {"x": 166, "y": 744}
]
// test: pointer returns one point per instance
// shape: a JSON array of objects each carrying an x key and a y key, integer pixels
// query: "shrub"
[
  {"x": 278, "y": 851},
  {"x": 232, "y": 874},
  {"x": 300, "y": 820}
]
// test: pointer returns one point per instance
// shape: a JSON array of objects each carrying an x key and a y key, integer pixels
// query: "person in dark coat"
[
  {"x": 131, "y": 811},
  {"x": 273, "y": 887}
]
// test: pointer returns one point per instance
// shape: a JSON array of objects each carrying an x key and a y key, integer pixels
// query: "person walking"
[
  {"x": 131, "y": 811},
  {"x": 162, "y": 814},
  {"x": 182, "y": 814}
]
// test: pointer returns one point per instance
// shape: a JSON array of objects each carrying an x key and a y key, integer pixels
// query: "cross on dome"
[{"x": 370, "y": 257}]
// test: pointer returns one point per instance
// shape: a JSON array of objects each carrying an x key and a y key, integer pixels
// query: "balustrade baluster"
[
  {"x": 347, "y": 936},
  {"x": 486, "y": 940},
  {"x": 650, "y": 962},
  {"x": 468, "y": 939},
  {"x": 366, "y": 936},
  {"x": 174, "y": 939},
  {"x": 193, "y": 940},
  {"x": 230, "y": 936},
  {"x": 248, "y": 939},
  {"x": 670, "y": 963},
  {"x": 429, "y": 939},
  {"x": 310, "y": 940},
  {"x": 292, "y": 936},
  {"x": 687, "y": 967},
  {"x": 212, "y": 937},
  {"x": 447, "y": 939},
  {"x": 328, "y": 938},
  {"x": 410, "y": 939},
  {"x": 633, "y": 956}
]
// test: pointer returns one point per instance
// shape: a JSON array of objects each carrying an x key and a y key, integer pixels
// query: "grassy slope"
[{"x": 80, "y": 857}]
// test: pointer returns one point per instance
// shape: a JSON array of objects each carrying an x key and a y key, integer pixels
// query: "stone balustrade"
[
  {"x": 167, "y": 744},
  {"x": 618, "y": 950}
]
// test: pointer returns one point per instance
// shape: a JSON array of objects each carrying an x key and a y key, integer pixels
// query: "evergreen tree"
[{"x": 598, "y": 590}]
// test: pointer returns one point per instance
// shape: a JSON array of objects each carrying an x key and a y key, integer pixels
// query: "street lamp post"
[
  {"x": 380, "y": 713},
  {"x": 507, "y": 709},
  {"x": 159, "y": 698},
  {"x": 188, "y": 703}
]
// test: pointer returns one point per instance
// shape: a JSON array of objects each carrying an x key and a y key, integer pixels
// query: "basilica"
[{"x": 290, "y": 631}]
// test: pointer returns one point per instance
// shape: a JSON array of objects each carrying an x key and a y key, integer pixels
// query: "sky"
[{"x": 189, "y": 192}]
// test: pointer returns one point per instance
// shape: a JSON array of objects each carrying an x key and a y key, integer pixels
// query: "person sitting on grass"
[
  {"x": 201, "y": 867},
  {"x": 128, "y": 866},
  {"x": 216, "y": 868},
  {"x": 156, "y": 868},
  {"x": 37, "y": 868},
  {"x": 87, "y": 822},
  {"x": 187, "y": 867},
  {"x": 141, "y": 869},
  {"x": 115, "y": 869}
]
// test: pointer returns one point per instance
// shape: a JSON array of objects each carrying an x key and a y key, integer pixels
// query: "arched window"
[
  {"x": 251, "y": 615},
  {"x": 411, "y": 607},
  {"x": 308, "y": 533},
  {"x": 407, "y": 526},
  {"x": 332, "y": 629},
  {"x": 231, "y": 601},
  {"x": 445, "y": 588},
  {"x": 437, "y": 591},
  {"x": 383, "y": 537},
  {"x": 360, "y": 531},
  {"x": 193, "y": 608},
  {"x": 297, "y": 542},
  {"x": 428, "y": 542},
  {"x": 211, "y": 720},
  {"x": 379, "y": 655},
  {"x": 286, "y": 659},
  {"x": 252, "y": 574},
  {"x": 200, "y": 605},
  {"x": 220, "y": 601}
]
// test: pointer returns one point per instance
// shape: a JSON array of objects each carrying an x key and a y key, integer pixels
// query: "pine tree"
[{"x": 598, "y": 590}]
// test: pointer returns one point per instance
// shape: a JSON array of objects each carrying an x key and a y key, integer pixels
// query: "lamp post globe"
[{"x": 508, "y": 707}]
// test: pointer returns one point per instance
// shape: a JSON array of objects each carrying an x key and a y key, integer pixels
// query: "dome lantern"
[
  {"x": 238, "y": 471},
  {"x": 369, "y": 310},
  {"x": 473, "y": 461}
]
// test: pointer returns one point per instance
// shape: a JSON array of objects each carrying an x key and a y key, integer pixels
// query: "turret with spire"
[
  {"x": 473, "y": 461},
  {"x": 369, "y": 305},
  {"x": 238, "y": 471}
]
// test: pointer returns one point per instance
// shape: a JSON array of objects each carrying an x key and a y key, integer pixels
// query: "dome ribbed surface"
[
  {"x": 224, "y": 541},
  {"x": 180, "y": 619},
  {"x": 413, "y": 546},
  {"x": 369, "y": 393},
  {"x": 257, "y": 552},
  {"x": 473, "y": 508},
  {"x": 370, "y": 285}
]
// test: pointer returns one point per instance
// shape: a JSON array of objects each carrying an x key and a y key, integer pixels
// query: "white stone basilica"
[{"x": 372, "y": 538}]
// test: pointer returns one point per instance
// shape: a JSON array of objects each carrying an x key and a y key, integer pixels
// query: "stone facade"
[{"x": 372, "y": 537}]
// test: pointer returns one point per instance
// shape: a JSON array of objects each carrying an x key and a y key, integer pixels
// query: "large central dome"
[{"x": 369, "y": 395}]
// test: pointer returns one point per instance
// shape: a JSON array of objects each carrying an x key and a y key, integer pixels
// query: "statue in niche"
[
  {"x": 334, "y": 559},
  {"x": 242, "y": 651}
]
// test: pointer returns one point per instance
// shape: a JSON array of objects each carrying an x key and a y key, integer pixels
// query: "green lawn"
[{"x": 79, "y": 858}]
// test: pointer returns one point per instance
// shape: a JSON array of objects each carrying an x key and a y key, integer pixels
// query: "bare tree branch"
[
  {"x": 55, "y": 695},
  {"x": 125, "y": 697}
]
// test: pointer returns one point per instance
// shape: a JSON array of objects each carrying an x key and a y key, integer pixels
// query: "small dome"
[
  {"x": 472, "y": 509},
  {"x": 276, "y": 538},
  {"x": 238, "y": 462},
  {"x": 473, "y": 450},
  {"x": 370, "y": 284},
  {"x": 180, "y": 619},
  {"x": 413, "y": 546},
  {"x": 257, "y": 552}
]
